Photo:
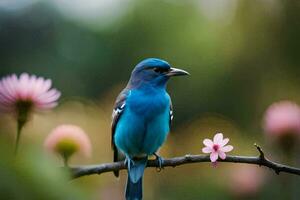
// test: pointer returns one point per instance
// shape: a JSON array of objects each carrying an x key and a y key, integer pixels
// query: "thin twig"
[{"x": 260, "y": 160}]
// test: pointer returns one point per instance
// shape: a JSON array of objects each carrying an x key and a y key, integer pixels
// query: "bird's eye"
[{"x": 160, "y": 70}]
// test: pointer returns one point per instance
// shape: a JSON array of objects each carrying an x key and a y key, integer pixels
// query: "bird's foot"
[
  {"x": 128, "y": 162},
  {"x": 160, "y": 161}
]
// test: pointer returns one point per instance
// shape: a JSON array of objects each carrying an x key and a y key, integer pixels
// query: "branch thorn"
[{"x": 261, "y": 153}]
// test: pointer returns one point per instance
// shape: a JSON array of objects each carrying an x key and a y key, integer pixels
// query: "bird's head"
[{"x": 154, "y": 71}]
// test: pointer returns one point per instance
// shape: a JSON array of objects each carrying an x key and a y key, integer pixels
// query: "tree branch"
[{"x": 260, "y": 160}]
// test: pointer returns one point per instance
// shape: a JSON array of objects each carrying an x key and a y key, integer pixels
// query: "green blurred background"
[{"x": 242, "y": 56}]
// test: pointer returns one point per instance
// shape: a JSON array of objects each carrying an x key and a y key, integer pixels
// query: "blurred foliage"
[
  {"x": 33, "y": 176},
  {"x": 242, "y": 56}
]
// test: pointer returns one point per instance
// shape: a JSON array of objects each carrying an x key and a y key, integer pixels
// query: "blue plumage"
[
  {"x": 141, "y": 119},
  {"x": 144, "y": 125}
]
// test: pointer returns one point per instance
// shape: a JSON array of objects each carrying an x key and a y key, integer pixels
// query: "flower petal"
[
  {"x": 227, "y": 148},
  {"x": 206, "y": 150},
  {"x": 213, "y": 156},
  {"x": 224, "y": 142},
  {"x": 29, "y": 88},
  {"x": 218, "y": 138},
  {"x": 208, "y": 143},
  {"x": 222, "y": 155}
]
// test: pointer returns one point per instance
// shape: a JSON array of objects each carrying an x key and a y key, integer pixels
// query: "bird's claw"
[{"x": 160, "y": 161}]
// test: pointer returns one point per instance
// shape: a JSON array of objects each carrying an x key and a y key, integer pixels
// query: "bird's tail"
[{"x": 134, "y": 187}]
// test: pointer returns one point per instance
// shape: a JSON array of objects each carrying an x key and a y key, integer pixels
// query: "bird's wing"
[
  {"x": 117, "y": 112},
  {"x": 171, "y": 113}
]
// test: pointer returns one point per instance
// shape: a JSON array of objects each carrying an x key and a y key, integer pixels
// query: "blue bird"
[{"x": 141, "y": 119}]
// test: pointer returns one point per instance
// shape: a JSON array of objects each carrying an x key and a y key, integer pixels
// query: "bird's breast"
[{"x": 148, "y": 103}]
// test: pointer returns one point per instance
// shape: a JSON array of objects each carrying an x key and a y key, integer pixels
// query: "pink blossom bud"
[{"x": 67, "y": 140}]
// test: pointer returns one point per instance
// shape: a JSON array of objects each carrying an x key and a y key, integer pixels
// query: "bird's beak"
[{"x": 177, "y": 72}]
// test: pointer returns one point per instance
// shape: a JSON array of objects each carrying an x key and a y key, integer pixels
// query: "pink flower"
[
  {"x": 67, "y": 140},
  {"x": 217, "y": 147},
  {"x": 27, "y": 92},
  {"x": 24, "y": 94},
  {"x": 282, "y": 118}
]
